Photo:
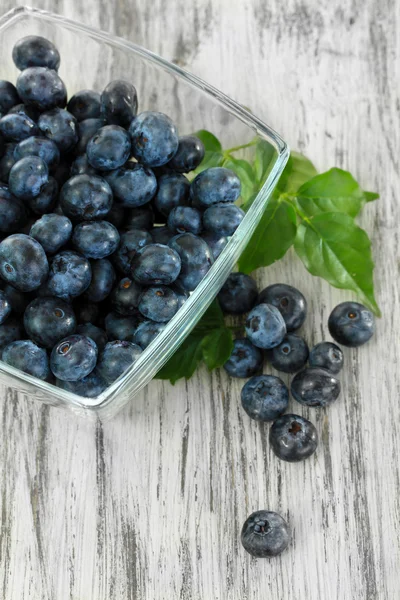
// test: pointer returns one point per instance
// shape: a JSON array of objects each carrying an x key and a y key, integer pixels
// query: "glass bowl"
[{"x": 90, "y": 59}]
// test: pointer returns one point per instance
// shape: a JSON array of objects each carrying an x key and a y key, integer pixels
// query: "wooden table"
[{"x": 150, "y": 505}]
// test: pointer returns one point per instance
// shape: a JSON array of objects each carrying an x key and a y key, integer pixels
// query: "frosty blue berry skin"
[
  {"x": 73, "y": 358},
  {"x": 293, "y": 438},
  {"x": 133, "y": 184},
  {"x": 315, "y": 387},
  {"x": 70, "y": 275},
  {"x": 213, "y": 186},
  {"x": 10, "y": 331},
  {"x": 47, "y": 320},
  {"x": 95, "y": 239},
  {"x": 351, "y": 324},
  {"x": 189, "y": 154},
  {"x": 154, "y": 138},
  {"x": 289, "y": 301},
  {"x": 23, "y": 262},
  {"x": 290, "y": 355},
  {"x": 52, "y": 232},
  {"x": 90, "y": 386},
  {"x": 116, "y": 358},
  {"x": 61, "y": 127},
  {"x": 146, "y": 332},
  {"x": 41, "y": 88},
  {"x": 26, "y": 356},
  {"x": 265, "y": 326},
  {"x": 265, "y": 397},
  {"x": 85, "y": 104},
  {"x": 86, "y": 197},
  {"x": 35, "y": 51},
  {"x": 102, "y": 282},
  {"x": 196, "y": 259},
  {"x": 158, "y": 303},
  {"x": 109, "y": 148},
  {"x": 156, "y": 264},
  {"x": 42, "y": 147},
  {"x": 328, "y": 356},
  {"x": 120, "y": 327},
  {"x": 17, "y": 127},
  {"x": 27, "y": 177},
  {"x": 265, "y": 534},
  {"x": 125, "y": 297},
  {"x": 238, "y": 295},
  {"x": 245, "y": 360}
]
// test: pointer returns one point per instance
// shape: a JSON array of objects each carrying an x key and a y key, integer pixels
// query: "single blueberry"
[
  {"x": 173, "y": 190},
  {"x": 133, "y": 184},
  {"x": 23, "y": 262},
  {"x": 328, "y": 356},
  {"x": 109, "y": 148},
  {"x": 73, "y": 358},
  {"x": 86, "y": 312},
  {"x": 80, "y": 166},
  {"x": 116, "y": 358},
  {"x": 245, "y": 360},
  {"x": 223, "y": 219},
  {"x": 315, "y": 387},
  {"x": 7, "y": 161},
  {"x": 85, "y": 105},
  {"x": 16, "y": 127},
  {"x": 119, "y": 102},
  {"x": 131, "y": 243},
  {"x": 26, "y": 356},
  {"x": 184, "y": 219},
  {"x": 265, "y": 397},
  {"x": 86, "y": 130},
  {"x": 155, "y": 264},
  {"x": 44, "y": 148},
  {"x": 90, "y": 386},
  {"x": 265, "y": 326},
  {"x": 70, "y": 275},
  {"x": 161, "y": 235},
  {"x": 293, "y": 438},
  {"x": 289, "y": 301},
  {"x": 10, "y": 331},
  {"x": 46, "y": 200},
  {"x": 52, "y": 232},
  {"x": 159, "y": 303},
  {"x": 146, "y": 332},
  {"x": 238, "y": 295},
  {"x": 291, "y": 355},
  {"x": 13, "y": 213},
  {"x": 125, "y": 297},
  {"x": 119, "y": 327},
  {"x": 95, "y": 239},
  {"x": 8, "y": 96},
  {"x": 41, "y": 88},
  {"x": 5, "y": 307},
  {"x": 103, "y": 278},
  {"x": 265, "y": 533},
  {"x": 48, "y": 320},
  {"x": 189, "y": 154},
  {"x": 61, "y": 127},
  {"x": 86, "y": 197},
  {"x": 18, "y": 300},
  {"x": 196, "y": 259},
  {"x": 351, "y": 324},
  {"x": 213, "y": 186},
  {"x": 35, "y": 51},
  {"x": 141, "y": 217},
  {"x": 28, "y": 177},
  {"x": 154, "y": 138},
  {"x": 216, "y": 243}
]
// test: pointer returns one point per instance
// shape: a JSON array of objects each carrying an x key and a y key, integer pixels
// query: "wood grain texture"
[{"x": 149, "y": 506}]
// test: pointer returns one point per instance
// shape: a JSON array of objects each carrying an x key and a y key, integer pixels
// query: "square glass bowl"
[{"x": 90, "y": 59}]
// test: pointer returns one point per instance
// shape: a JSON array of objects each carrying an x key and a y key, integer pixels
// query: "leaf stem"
[{"x": 236, "y": 148}]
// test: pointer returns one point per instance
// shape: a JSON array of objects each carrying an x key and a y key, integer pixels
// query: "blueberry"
[
  {"x": 28, "y": 177},
  {"x": 116, "y": 358},
  {"x": 61, "y": 127},
  {"x": 293, "y": 438},
  {"x": 5, "y": 307},
  {"x": 7, "y": 161},
  {"x": 146, "y": 332},
  {"x": 125, "y": 297},
  {"x": 154, "y": 138},
  {"x": 87, "y": 312},
  {"x": 70, "y": 275},
  {"x": 46, "y": 200},
  {"x": 189, "y": 155},
  {"x": 265, "y": 534},
  {"x": 213, "y": 186},
  {"x": 119, "y": 327},
  {"x": 86, "y": 130},
  {"x": 173, "y": 190},
  {"x": 8, "y": 96},
  {"x": 26, "y": 356},
  {"x": 73, "y": 358},
  {"x": 289, "y": 301},
  {"x": 141, "y": 217},
  {"x": 13, "y": 213},
  {"x": 291, "y": 355},
  {"x": 85, "y": 105},
  {"x": 238, "y": 295},
  {"x": 109, "y": 149},
  {"x": 161, "y": 235},
  {"x": 246, "y": 360},
  {"x": 156, "y": 264},
  {"x": 196, "y": 259},
  {"x": 103, "y": 278},
  {"x": 328, "y": 356},
  {"x": 52, "y": 232},
  {"x": 41, "y": 88},
  {"x": 23, "y": 109},
  {"x": 10, "y": 331},
  {"x": 119, "y": 102},
  {"x": 265, "y": 397},
  {"x": 351, "y": 324},
  {"x": 17, "y": 300},
  {"x": 48, "y": 320},
  {"x": 44, "y": 148},
  {"x": 133, "y": 185},
  {"x": 86, "y": 197},
  {"x": 80, "y": 166},
  {"x": 35, "y": 51},
  {"x": 265, "y": 326},
  {"x": 97, "y": 334},
  {"x": 223, "y": 219},
  {"x": 159, "y": 303},
  {"x": 95, "y": 239},
  {"x": 215, "y": 242},
  {"x": 23, "y": 262},
  {"x": 315, "y": 387},
  {"x": 184, "y": 219},
  {"x": 16, "y": 127},
  {"x": 131, "y": 243},
  {"x": 117, "y": 216},
  {"x": 90, "y": 386}
]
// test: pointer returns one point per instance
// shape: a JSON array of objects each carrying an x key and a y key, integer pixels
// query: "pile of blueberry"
[
  {"x": 273, "y": 317},
  {"x": 103, "y": 237}
]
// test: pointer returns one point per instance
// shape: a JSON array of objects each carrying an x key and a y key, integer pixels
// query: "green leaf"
[
  {"x": 211, "y": 159},
  {"x": 217, "y": 347},
  {"x": 210, "y": 142},
  {"x": 370, "y": 196},
  {"x": 298, "y": 170},
  {"x": 333, "y": 247},
  {"x": 272, "y": 238},
  {"x": 213, "y": 318},
  {"x": 263, "y": 162},
  {"x": 185, "y": 360},
  {"x": 245, "y": 172}
]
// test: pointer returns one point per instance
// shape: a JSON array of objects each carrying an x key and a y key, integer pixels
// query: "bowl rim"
[{"x": 195, "y": 302}]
